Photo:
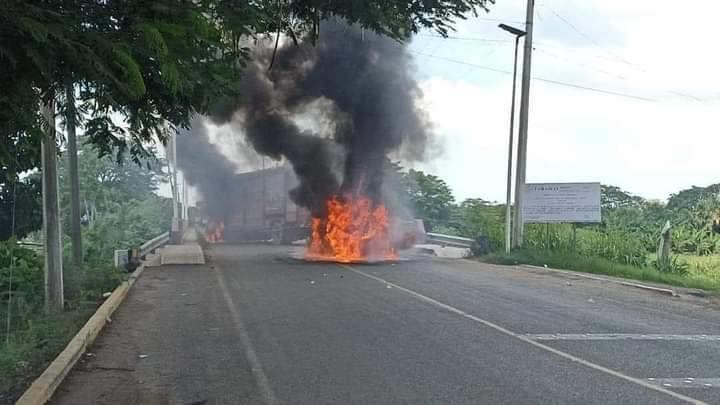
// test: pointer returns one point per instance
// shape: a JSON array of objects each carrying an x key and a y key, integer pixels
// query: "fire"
[
  {"x": 355, "y": 229},
  {"x": 215, "y": 232}
]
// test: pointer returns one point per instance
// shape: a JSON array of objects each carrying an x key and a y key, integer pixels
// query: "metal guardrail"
[
  {"x": 153, "y": 244},
  {"x": 449, "y": 240}
]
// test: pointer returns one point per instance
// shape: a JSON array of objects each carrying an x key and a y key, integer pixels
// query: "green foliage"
[
  {"x": 121, "y": 211},
  {"x": 26, "y": 283},
  {"x": 430, "y": 196},
  {"x": 676, "y": 266},
  {"x": 593, "y": 264},
  {"x": 26, "y": 207},
  {"x": 479, "y": 218},
  {"x": 160, "y": 62},
  {"x": 692, "y": 197},
  {"x": 618, "y": 247}
]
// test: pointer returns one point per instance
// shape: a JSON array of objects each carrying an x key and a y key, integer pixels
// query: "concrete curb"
[
  {"x": 660, "y": 290},
  {"x": 43, "y": 388}
]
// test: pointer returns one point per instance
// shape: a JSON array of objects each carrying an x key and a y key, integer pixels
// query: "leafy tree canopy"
[
  {"x": 692, "y": 197},
  {"x": 430, "y": 196},
  {"x": 23, "y": 201},
  {"x": 615, "y": 197},
  {"x": 158, "y": 62}
]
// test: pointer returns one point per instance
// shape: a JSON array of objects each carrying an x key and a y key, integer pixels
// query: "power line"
[
  {"x": 465, "y": 38},
  {"x": 542, "y": 79},
  {"x": 584, "y": 65},
  {"x": 592, "y": 40},
  {"x": 615, "y": 56}
]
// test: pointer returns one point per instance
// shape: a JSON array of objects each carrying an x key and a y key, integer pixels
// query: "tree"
[
  {"x": 106, "y": 182},
  {"x": 26, "y": 207},
  {"x": 615, "y": 197},
  {"x": 158, "y": 62},
  {"x": 691, "y": 198},
  {"x": 430, "y": 196}
]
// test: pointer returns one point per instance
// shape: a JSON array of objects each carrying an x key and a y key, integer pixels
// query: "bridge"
[{"x": 256, "y": 324}]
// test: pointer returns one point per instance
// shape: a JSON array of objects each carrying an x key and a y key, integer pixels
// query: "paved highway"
[{"x": 255, "y": 326}]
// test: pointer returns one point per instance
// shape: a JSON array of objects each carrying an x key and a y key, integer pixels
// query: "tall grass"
[{"x": 598, "y": 265}]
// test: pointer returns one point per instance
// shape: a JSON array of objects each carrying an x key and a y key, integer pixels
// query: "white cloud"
[{"x": 652, "y": 148}]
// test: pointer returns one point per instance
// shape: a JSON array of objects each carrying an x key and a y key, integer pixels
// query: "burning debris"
[
  {"x": 359, "y": 85},
  {"x": 354, "y": 229},
  {"x": 215, "y": 232}
]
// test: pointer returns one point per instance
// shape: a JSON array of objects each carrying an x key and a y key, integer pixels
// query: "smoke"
[
  {"x": 357, "y": 85},
  {"x": 204, "y": 166}
]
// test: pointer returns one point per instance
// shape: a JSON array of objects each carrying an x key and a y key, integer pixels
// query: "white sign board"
[{"x": 561, "y": 202}]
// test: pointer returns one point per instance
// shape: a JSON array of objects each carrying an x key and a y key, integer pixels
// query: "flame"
[
  {"x": 354, "y": 230},
  {"x": 215, "y": 232}
]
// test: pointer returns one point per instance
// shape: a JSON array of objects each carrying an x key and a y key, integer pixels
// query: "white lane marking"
[
  {"x": 568, "y": 356},
  {"x": 619, "y": 336},
  {"x": 687, "y": 382},
  {"x": 261, "y": 378}
]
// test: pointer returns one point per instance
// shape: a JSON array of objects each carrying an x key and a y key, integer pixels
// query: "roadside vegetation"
[
  {"x": 121, "y": 210},
  {"x": 623, "y": 245},
  {"x": 123, "y": 73}
]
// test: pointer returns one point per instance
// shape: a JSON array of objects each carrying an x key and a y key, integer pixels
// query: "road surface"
[{"x": 255, "y": 326}]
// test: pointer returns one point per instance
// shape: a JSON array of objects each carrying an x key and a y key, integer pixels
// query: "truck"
[{"x": 258, "y": 207}]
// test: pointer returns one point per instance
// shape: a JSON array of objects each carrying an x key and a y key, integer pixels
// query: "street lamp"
[{"x": 518, "y": 34}]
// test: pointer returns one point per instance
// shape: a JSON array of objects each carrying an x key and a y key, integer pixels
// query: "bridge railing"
[
  {"x": 153, "y": 244},
  {"x": 449, "y": 240}
]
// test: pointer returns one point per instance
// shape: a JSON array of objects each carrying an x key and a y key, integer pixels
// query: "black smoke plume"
[
  {"x": 204, "y": 166},
  {"x": 360, "y": 82}
]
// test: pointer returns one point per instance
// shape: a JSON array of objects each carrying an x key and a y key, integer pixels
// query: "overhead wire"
[
  {"x": 614, "y": 55},
  {"x": 463, "y": 38},
  {"x": 541, "y": 79}
]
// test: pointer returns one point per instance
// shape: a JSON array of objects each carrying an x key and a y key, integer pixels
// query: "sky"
[{"x": 657, "y": 135}]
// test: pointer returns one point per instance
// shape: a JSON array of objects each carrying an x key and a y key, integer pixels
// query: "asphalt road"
[{"x": 256, "y": 326}]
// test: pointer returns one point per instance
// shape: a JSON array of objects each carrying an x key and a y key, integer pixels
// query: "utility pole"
[
  {"x": 54, "y": 298},
  {"x": 175, "y": 226},
  {"x": 508, "y": 203},
  {"x": 520, "y": 171},
  {"x": 75, "y": 230},
  {"x": 185, "y": 211}
]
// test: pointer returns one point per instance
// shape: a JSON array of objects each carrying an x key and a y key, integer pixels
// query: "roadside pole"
[
  {"x": 508, "y": 201},
  {"x": 75, "y": 229},
  {"x": 523, "y": 130},
  {"x": 54, "y": 298},
  {"x": 175, "y": 226}
]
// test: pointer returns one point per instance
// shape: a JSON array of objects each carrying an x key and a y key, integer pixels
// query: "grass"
[
  {"x": 708, "y": 279},
  {"x": 29, "y": 351},
  {"x": 36, "y": 338}
]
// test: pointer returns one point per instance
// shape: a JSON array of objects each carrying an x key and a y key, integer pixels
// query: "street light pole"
[
  {"x": 523, "y": 127},
  {"x": 508, "y": 211}
]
